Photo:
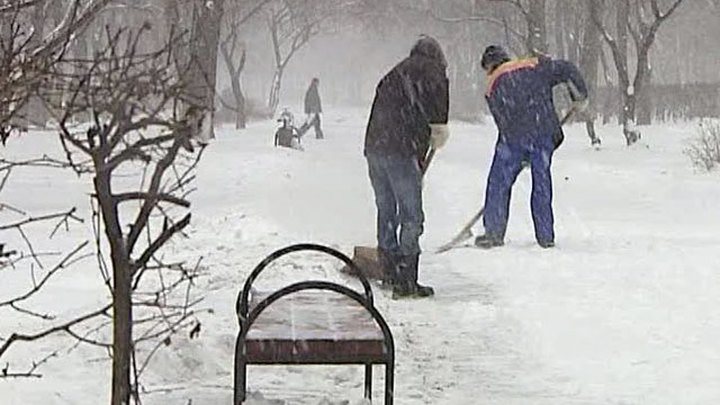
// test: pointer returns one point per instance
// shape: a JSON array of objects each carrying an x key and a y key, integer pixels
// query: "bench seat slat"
[{"x": 315, "y": 352}]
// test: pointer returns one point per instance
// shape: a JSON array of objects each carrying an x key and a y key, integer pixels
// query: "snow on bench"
[{"x": 314, "y": 327}]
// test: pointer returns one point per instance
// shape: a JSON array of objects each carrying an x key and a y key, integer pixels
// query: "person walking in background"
[
  {"x": 519, "y": 95},
  {"x": 409, "y": 115},
  {"x": 313, "y": 109}
]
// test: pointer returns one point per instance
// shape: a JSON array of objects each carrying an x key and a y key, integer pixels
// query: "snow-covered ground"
[{"x": 625, "y": 310}]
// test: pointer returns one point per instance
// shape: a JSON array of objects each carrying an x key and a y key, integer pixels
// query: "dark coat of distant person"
[{"x": 312, "y": 98}]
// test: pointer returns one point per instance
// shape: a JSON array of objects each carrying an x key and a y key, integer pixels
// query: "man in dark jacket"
[
  {"x": 313, "y": 108},
  {"x": 519, "y": 94},
  {"x": 409, "y": 115}
]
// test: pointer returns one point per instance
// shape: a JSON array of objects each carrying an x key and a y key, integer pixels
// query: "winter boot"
[
  {"x": 402, "y": 290},
  {"x": 409, "y": 287},
  {"x": 546, "y": 244},
  {"x": 390, "y": 270},
  {"x": 402, "y": 287},
  {"x": 420, "y": 290},
  {"x": 488, "y": 241}
]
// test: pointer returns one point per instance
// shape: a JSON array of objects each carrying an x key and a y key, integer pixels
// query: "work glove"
[
  {"x": 580, "y": 105},
  {"x": 439, "y": 134}
]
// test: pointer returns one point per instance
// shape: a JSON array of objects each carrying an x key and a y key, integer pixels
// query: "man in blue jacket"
[{"x": 519, "y": 95}]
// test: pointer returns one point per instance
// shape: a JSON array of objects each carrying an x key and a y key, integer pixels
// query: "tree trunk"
[
  {"x": 632, "y": 135},
  {"x": 6, "y": 110},
  {"x": 607, "y": 99},
  {"x": 122, "y": 298},
  {"x": 79, "y": 49},
  {"x": 274, "y": 98},
  {"x": 589, "y": 61},
  {"x": 122, "y": 332},
  {"x": 559, "y": 29},
  {"x": 645, "y": 104},
  {"x": 203, "y": 65},
  {"x": 173, "y": 24},
  {"x": 573, "y": 17},
  {"x": 537, "y": 28},
  {"x": 642, "y": 87},
  {"x": 622, "y": 15},
  {"x": 234, "y": 73},
  {"x": 240, "y": 116},
  {"x": 35, "y": 112}
]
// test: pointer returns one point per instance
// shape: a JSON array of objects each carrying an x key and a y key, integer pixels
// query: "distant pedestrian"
[{"x": 313, "y": 109}]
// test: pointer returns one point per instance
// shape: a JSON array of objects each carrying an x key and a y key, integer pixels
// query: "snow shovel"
[
  {"x": 366, "y": 257},
  {"x": 466, "y": 231}
]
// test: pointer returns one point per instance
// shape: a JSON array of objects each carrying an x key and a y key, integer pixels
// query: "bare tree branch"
[
  {"x": 50, "y": 273},
  {"x": 74, "y": 23},
  {"x": 17, "y": 5},
  {"x": 65, "y": 327},
  {"x": 136, "y": 195},
  {"x": 63, "y": 216}
]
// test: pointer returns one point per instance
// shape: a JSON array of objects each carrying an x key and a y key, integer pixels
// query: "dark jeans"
[
  {"x": 397, "y": 183},
  {"x": 506, "y": 165},
  {"x": 315, "y": 122}
]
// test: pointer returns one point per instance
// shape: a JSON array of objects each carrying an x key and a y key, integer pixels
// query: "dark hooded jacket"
[
  {"x": 413, "y": 95},
  {"x": 312, "y": 99}
]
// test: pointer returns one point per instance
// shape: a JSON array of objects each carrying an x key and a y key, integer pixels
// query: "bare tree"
[
  {"x": 641, "y": 19},
  {"x": 231, "y": 43},
  {"x": 590, "y": 50},
  {"x": 288, "y": 35},
  {"x": 25, "y": 60},
  {"x": 533, "y": 13},
  {"x": 292, "y": 23},
  {"x": 578, "y": 40},
  {"x": 134, "y": 100},
  {"x": 205, "y": 38}
]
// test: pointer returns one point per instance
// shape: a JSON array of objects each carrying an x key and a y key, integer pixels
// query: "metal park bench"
[{"x": 311, "y": 323}]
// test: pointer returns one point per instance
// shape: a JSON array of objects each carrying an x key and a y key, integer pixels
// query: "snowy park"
[
  {"x": 155, "y": 157},
  {"x": 624, "y": 310}
]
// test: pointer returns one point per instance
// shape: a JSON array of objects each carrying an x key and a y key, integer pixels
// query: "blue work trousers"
[{"x": 507, "y": 164}]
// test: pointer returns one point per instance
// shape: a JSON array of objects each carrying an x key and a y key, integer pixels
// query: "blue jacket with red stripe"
[{"x": 519, "y": 95}]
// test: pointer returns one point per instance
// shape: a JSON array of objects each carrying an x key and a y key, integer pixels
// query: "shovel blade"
[{"x": 367, "y": 259}]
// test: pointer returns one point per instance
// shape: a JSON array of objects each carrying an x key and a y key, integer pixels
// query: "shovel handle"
[
  {"x": 428, "y": 159},
  {"x": 571, "y": 113}
]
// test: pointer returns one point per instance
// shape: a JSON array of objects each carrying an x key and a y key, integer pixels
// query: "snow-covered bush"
[{"x": 704, "y": 149}]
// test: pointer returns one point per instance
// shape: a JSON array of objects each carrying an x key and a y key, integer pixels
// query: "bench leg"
[
  {"x": 240, "y": 382},
  {"x": 368, "y": 381},
  {"x": 389, "y": 381},
  {"x": 240, "y": 388}
]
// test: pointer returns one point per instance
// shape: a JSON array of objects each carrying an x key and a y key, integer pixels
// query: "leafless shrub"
[{"x": 704, "y": 149}]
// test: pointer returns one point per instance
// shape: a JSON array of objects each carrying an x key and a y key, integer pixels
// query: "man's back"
[
  {"x": 519, "y": 95},
  {"x": 411, "y": 95}
]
